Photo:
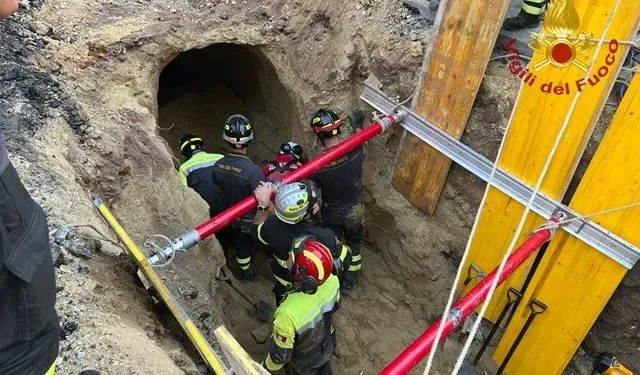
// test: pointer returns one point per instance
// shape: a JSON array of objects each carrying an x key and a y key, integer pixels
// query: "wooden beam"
[
  {"x": 453, "y": 69},
  {"x": 535, "y": 125},
  {"x": 575, "y": 280}
]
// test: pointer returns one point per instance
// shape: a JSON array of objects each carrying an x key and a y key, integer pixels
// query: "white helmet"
[{"x": 295, "y": 200}]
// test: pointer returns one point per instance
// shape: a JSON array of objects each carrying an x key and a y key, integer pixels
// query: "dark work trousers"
[
  {"x": 224, "y": 235},
  {"x": 242, "y": 240},
  {"x": 317, "y": 362},
  {"x": 348, "y": 225}
]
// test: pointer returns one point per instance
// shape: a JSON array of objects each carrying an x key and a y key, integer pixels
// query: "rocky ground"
[{"x": 79, "y": 83}]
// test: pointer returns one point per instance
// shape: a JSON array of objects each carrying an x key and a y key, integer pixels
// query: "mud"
[{"x": 86, "y": 88}]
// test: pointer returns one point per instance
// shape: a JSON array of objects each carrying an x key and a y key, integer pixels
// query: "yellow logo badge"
[{"x": 559, "y": 41}]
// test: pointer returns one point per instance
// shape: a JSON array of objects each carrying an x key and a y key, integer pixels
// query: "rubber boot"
[
  {"x": 349, "y": 281},
  {"x": 522, "y": 21},
  {"x": 249, "y": 275}
]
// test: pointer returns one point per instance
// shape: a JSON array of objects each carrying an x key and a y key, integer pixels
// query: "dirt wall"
[{"x": 79, "y": 89}]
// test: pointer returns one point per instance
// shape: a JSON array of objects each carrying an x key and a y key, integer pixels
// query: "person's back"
[
  {"x": 341, "y": 181},
  {"x": 236, "y": 176},
  {"x": 197, "y": 172},
  {"x": 311, "y": 315},
  {"x": 303, "y": 334},
  {"x": 29, "y": 336}
]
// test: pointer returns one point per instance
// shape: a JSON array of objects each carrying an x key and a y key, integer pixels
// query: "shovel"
[{"x": 263, "y": 308}]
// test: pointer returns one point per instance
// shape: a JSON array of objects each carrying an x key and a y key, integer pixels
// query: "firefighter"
[
  {"x": 529, "y": 16},
  {"x": 288, "y": 160},
  {"x": 29, "y": 332},
  {"x": 237, "y": 177},
  {"x": 295, "y": 203},
  {"x": 303, "y": 335},
  {"x": 341, "y": 185},
  {"x": 196, "y": 172}
]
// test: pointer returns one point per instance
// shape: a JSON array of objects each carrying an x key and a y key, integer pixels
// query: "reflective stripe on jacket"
[
  {"x": 197, "y": 173},
  {"x": 303, "y": 324},
  {"x": 197, "y": 161}
]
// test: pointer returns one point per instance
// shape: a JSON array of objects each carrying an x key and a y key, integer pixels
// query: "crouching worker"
[
  {"x": 303, "y": 336},
  {"x": 295, "y": 203},
  {"x": 287, "y": 161}
]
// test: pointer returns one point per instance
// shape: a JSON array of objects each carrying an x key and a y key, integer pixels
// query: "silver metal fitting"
[
  {"x": 401, "y": 115},
  {"x": 188, "y": 240}
]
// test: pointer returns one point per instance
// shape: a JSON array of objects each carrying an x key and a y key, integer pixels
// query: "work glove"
[
  {"x": 338, "y": 267},
  {"x": 356, "y": 118}
]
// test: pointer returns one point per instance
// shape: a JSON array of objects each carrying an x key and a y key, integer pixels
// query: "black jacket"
[
  {"x": 237, "y": 176},
  {"x": 28, "y": 321}
]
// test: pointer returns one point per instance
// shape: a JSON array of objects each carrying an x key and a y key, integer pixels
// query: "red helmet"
[
  {"x": 313, "y": 263},
  {"x": 326, "y": 123}
]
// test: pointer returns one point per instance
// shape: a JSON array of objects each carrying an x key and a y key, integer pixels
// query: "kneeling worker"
[
  {"x": 295, "y": 203},
  {"x": 237, "y": 177},
  {"x": 302, "y": 330}
]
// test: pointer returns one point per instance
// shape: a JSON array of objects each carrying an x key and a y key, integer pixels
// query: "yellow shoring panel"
[
  {"x": 575, "y": 280},
  {"x": 535, "y": 125},
  {"x": 206, "y": 352}
]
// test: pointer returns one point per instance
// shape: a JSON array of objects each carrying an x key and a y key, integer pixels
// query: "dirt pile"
[{"x": 86, "y": 89}]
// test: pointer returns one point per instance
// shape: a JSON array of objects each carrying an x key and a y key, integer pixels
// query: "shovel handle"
[{"x": 537, "y": 307}]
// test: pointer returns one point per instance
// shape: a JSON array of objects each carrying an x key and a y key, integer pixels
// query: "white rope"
[
  {"x": 468, "y": 247},
  {"x": 543, "y": 174}
]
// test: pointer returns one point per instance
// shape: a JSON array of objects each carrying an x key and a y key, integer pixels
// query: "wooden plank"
[
  {"x": 536, "y": 123},
  {"x": 454, "y": 67},
  {"x": 575, "y": 280}
]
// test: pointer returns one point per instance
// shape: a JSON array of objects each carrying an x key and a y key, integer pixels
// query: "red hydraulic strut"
[
  {"x": 213, "y": 225},
  {"x": 421, "y": 347}
]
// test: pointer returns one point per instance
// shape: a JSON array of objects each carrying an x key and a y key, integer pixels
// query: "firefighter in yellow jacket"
[{"x": 303, "y": 337}]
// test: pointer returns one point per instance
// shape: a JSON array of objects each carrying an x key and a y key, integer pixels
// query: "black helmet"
[
  {"x": 326, "y": 124},
  {"x": 237, "y": 131},
  {"x": 190, "y": 143},
  {"x": 291, "y": 148}
]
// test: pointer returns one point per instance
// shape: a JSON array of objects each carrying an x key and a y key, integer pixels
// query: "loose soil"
[{"x": 94, "y": 96}]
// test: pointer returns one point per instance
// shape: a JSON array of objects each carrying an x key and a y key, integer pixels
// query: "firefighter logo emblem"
[{"x": 559, "y": 41}]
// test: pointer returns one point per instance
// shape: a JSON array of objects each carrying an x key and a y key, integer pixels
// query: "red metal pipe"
[
  {"x": 250, "y": 203},
  {"x": 421, "y": 347}
]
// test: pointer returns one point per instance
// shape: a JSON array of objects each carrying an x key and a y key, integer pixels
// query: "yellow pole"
[{"x": 206, "y": 352}]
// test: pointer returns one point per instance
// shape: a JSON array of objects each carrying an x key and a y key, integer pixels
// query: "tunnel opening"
[{"x": 200, "y": 88}]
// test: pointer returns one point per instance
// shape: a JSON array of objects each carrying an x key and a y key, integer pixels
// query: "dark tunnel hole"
[{"x": 200, "y": 88}]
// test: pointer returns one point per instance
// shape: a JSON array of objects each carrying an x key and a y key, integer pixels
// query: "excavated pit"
[
  {"x": 114, "y": 151},
  {"x": 200, "y": 88}
]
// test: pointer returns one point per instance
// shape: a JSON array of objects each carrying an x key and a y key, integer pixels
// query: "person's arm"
[
  {"x": 8, "y": 7},
  {"x": 280, "y": 343},
  {"x": 356, "y": 119},
  {"x": 263, "y": 195},
  {"x": 183, "y": 176}
]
